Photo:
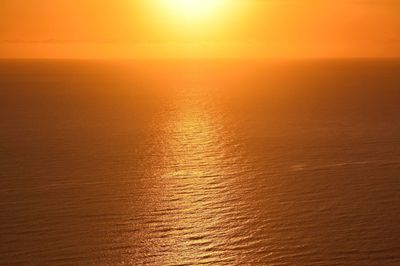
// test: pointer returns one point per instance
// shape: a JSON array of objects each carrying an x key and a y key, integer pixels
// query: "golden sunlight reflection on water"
[
  {"x": 196, "y": 183},
  {"x": 198, "y": 198}
]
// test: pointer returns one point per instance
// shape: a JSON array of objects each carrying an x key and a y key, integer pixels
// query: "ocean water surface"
[{"x": 200, "y": 162}]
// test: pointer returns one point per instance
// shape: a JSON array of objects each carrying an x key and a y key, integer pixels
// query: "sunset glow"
[
  {"x": 199, "y": 132},
  {"x": 191, "y": 10},
  {"x": 199, "y": 28}
]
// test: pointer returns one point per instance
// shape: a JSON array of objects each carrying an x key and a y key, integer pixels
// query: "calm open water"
[{"x": 200, "y": 162}]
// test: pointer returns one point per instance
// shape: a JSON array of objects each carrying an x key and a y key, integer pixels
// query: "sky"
[{"x": 171, "y": 28}]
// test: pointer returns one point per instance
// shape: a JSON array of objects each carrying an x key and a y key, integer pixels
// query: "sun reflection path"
[{"x": 199, "y": 175}]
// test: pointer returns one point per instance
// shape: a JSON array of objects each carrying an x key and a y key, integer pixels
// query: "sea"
[{"x": 200, "y": 162}]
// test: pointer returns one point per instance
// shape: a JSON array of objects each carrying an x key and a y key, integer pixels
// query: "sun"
[{"x": 193, "y": 9}]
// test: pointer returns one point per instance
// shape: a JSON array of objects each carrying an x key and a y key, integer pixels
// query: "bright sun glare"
[{"x": 193, "y": 9}]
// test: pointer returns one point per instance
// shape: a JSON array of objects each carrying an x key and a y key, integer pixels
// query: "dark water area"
[{"x": 200, "y": 162}]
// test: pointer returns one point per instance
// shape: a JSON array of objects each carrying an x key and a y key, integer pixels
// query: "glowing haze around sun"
[{"x": 193, "y": 10}]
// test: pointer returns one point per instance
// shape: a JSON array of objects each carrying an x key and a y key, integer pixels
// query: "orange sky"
[{"x": 237, "y": 28}]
